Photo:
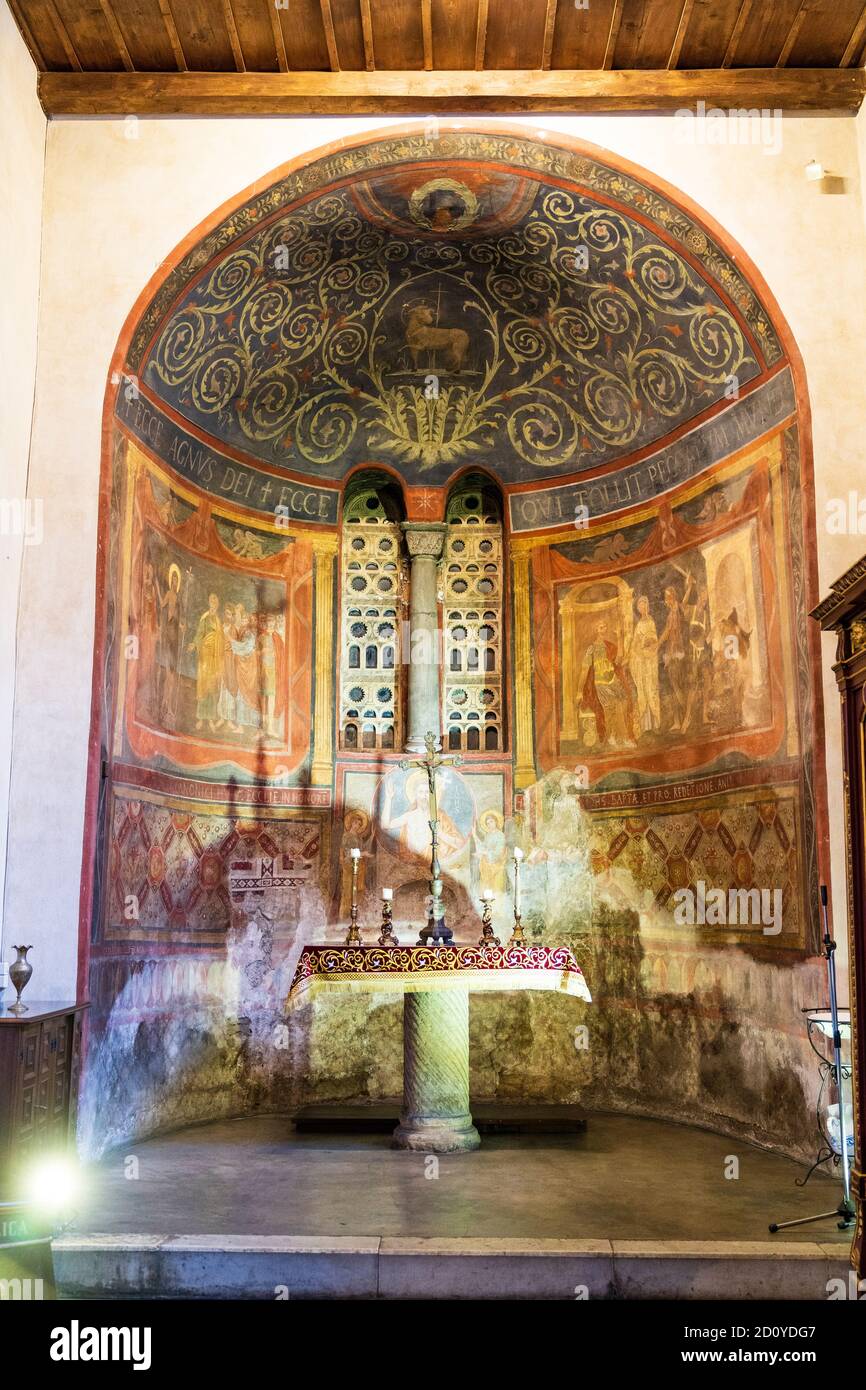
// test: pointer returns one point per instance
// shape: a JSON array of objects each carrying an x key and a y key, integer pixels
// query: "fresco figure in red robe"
[
  {"x": 605, "y": 690},
  {"x": 246, "y": 652}
]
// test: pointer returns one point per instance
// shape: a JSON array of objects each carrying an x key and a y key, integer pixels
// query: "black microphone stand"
[{"x": 845, "y": 1210}]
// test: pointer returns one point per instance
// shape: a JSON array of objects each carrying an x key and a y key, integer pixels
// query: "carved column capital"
[{"x": 425, "y": 538}]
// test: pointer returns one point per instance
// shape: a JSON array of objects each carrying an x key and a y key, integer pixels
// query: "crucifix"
[{"x": 435, "y": 930}]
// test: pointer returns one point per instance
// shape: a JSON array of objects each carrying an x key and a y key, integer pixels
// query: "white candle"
[
  {"x": 487, "y": 895},
  {"x": 387, "y": 894},
  {"x": 355, "y": 853}
]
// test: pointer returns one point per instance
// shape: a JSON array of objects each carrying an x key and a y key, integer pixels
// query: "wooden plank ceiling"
[{"x": 417, "y": 56}]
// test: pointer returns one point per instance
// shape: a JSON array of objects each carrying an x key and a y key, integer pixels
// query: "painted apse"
[{"x": 569, "y": 367}]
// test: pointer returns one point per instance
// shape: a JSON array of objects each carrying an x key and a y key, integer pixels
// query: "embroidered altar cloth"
[{"x": 412, "y": 969}]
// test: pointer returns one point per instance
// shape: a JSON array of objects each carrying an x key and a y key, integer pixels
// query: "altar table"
[{"x": 436, "y": 982}]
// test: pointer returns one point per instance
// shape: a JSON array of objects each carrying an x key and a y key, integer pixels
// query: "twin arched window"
[{"x": 374, "y": 586}]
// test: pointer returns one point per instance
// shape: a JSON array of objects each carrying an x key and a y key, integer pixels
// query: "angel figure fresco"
[
  {"x": 605, "y": 691},
  {"x": 246, "y": 545},
  {"x": 357, "y": 834},
  {"x": 490, "y": 853}
]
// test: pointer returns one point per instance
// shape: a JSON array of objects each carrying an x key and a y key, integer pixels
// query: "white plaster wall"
[
  {"x": 120, "y": 195},
  {"x": 22, "y": 152}
]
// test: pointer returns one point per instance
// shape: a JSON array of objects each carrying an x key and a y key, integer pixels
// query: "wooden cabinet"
[
  {"x": 40, "y": 1054},
  {"x": 844, "y": 612}
]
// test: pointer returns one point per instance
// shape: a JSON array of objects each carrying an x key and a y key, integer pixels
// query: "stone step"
[{"x": 407, "y": 1267}]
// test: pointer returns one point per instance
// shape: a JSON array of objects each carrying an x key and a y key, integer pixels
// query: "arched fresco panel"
[{"x": 430, "y": 311}]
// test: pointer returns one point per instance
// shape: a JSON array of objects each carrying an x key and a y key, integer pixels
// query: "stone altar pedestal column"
[
  {"x": 424, "y": 542},
  {"x": 435, "y": 1116}
]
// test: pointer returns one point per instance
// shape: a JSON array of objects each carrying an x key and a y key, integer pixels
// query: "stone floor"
[{"x": 623, "y": 1179}]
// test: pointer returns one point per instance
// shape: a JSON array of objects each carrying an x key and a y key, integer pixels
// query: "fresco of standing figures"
[{"x": 212, "y": 650}]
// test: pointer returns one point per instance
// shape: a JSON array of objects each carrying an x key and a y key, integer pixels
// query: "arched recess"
[
  {"x": 372, "y": 583},
  {"x": 560, "y": 319},
  {"x": 474, "y": 570}
]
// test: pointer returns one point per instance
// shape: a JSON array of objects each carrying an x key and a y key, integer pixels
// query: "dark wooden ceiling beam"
[
  {"x": 679, "y": 36},
  {"x": 330, "y": 35},
  {"x": 322, "y": 93},
  {"x": 480, "y": 35},
  {"x": 855, "y": 43},
  {"x": 173, "y": 35}
]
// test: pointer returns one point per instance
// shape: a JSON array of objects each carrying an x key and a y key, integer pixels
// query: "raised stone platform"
[
  {"x": 412, "y": 1267},
  {"x": 623, "y": 1208}
]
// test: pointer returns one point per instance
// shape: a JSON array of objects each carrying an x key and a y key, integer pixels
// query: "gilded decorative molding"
[
  {"x": 524, "y": 772},
  {"x": 322, "y": 771}
]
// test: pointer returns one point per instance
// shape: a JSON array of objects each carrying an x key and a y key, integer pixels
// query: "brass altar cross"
[{"x": 431, "y": 763}]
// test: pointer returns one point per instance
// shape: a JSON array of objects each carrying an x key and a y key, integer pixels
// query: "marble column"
[
  {"x": 435, "y": 1116},
  {"x": 424, "y": 542}
]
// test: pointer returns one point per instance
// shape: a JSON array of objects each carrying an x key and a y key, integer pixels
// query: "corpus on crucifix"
[{"x": 435, "y": 931}]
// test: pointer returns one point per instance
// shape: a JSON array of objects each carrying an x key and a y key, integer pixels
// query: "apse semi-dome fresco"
[
  {"x": 583, "y": 384},
  {"x": 568, "y": 329}
]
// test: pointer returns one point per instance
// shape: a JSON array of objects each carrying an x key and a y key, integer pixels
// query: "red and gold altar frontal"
[{"x": 414, "y": 969}]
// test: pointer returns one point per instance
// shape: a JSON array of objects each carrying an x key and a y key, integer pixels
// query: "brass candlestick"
[
  {"x": 517, "y": 937},
  {"x": 353, "y": 936},
  {"x": 487, "y": 938},
  {"x": 386, "y": 935}
]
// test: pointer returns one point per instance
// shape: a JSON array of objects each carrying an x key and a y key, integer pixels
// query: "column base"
[{"x": 446, "y": 1135}]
